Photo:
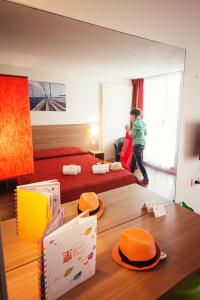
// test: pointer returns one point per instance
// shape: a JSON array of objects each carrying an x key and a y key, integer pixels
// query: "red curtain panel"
[
  {"x": 138, "y": 93},
  {"x": 16, "y": 152}
]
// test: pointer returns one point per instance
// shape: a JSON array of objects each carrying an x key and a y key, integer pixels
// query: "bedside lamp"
[
  {"x": 16, "y": 152},
  {"x": 94, "y": 131}
]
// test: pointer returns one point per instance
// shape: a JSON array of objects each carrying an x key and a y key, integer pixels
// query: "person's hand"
[{"x": 127, "y": 127}]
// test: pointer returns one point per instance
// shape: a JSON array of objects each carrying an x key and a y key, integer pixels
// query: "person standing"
[{"x": 138, "y": 133}]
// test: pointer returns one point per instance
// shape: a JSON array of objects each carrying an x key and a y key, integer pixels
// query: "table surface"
[
  {"x": 177, "y": 233},
  {"x": 121, "y": 205}
]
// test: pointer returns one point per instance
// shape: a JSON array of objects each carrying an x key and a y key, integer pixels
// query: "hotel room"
[{"x": 70, "y": 72}]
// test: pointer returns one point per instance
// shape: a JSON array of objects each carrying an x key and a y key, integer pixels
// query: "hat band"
[
  {"x": 93, "y": 212},
  {"x": 137, "y": 264}
]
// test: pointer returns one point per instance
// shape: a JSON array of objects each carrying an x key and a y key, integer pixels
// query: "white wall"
[
  {"x": 175, "y": 22},
  {"x": 115, "y": 114},
  {"x": 83, "y": 94}
]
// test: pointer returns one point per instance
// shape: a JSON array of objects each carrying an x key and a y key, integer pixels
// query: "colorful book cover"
[
  {"x": 70, "y": 256},
  {"x": 56, "y": 222}
]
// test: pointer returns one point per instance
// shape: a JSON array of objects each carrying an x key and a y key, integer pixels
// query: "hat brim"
[
  {"x": 117, "y": 259},
  {"x": 101, "y": 209}
]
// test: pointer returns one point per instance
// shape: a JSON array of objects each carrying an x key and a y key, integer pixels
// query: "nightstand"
[{"x": 97, "y": 153}]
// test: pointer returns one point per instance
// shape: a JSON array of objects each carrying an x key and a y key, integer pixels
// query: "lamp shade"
[{"x": 16, "y": 152}]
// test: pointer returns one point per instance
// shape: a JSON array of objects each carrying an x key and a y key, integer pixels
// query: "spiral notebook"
[
  {"x": 36, "y": 205},
  {"x": 67, "y": 255}
]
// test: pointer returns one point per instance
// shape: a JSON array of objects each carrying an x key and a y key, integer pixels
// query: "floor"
[{"x": 159, "y": 182}]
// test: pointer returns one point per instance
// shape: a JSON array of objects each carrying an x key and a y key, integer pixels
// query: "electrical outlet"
[{"x": 195, "y": 180}]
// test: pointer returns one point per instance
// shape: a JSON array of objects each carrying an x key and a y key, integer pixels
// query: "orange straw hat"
[
  {"x": 89, "y": 201},
  {"x": 136, "y": 250}
]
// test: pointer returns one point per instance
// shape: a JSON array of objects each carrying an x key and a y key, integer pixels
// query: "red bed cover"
[{"x": 50, "y": 167}]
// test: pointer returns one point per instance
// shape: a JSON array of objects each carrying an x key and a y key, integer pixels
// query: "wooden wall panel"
[{"x": 55, "y": 136}]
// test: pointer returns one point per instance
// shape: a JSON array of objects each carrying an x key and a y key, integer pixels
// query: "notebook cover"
[
  {"x": 70, "y": 257},
  {"x": 33, "y": 214},
  {"x": 56, "y": 222},
  {"x": 51, "y": 186}
]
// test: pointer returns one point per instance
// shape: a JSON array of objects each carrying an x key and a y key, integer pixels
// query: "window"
[{"x": 161, "y": 112}]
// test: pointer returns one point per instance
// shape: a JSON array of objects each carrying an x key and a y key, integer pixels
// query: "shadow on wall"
[{"x": 192, "y": 145}]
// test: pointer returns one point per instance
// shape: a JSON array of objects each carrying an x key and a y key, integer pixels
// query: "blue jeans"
[{"x": 137, "y": 160}]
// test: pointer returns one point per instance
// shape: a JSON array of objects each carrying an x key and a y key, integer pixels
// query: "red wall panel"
[{"x": 16, "y": 152}]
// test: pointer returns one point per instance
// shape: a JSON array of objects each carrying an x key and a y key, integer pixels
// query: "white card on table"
[
  {"x": 159, "y": 211},
  {"x": 150, "y": 205}
]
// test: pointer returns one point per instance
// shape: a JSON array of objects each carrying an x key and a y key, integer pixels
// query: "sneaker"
[{"x": 144, "y": 181}]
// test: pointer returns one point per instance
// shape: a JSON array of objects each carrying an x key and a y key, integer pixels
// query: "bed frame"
[{"x": 56, "y": 136}]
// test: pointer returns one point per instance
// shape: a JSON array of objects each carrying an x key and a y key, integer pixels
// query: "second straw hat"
[
  {"x": 89, "y": 201},
  {"x": 136, "y": 250}
]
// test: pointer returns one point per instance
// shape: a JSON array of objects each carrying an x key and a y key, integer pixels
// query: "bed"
[{"x": 48, "y": 165}]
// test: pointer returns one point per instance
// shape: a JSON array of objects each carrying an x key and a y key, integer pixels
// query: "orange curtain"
[{"x": 138, "y": 93}]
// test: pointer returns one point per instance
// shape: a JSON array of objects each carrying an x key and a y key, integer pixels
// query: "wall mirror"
[{"x": 97, "y": 66}]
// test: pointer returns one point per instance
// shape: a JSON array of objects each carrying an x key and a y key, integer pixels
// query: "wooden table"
[
  {"x": 177, "y": 233},
  {"x": 121, "y": 205}
]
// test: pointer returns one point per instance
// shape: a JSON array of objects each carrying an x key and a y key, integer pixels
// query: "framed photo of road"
[{"x": 47, "y": 96}]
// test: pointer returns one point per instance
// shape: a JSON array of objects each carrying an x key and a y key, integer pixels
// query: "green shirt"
[{"x": 138, "y": 132}]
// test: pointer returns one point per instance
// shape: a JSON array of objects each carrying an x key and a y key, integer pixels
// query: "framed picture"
[{"x": 47, "y": 96}]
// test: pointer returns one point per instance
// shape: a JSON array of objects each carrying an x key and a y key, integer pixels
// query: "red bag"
[{"x": 126, "y": 154}]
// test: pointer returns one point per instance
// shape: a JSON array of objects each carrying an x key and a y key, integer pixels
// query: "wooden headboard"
[{"x": 55, "y": 136}]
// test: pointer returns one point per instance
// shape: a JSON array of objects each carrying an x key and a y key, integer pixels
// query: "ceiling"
[{"x": 31, "y": 38}]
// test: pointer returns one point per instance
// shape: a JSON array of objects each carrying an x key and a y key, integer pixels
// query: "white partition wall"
[{"x": 116, "y": 105}]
